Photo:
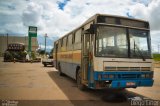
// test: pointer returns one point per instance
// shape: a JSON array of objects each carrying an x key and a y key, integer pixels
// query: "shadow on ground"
[{"x": 109, "y": 97}]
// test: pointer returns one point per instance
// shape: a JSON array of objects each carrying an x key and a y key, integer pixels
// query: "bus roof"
[
  {"x": 107, "y": 15},
  {"x": 116, "y": 16}
]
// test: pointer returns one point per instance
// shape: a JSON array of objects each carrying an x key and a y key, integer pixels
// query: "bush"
[
  {"x": 8, "y": 56},
  {"x": 33, "y": 56},
  {"x": 22, "y": 55}
]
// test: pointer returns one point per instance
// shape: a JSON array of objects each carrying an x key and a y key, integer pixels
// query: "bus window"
[
  {"x": 77, "y": 42},
  {"x": 64, "y": 44},
  {"x": 78, "y": 36},
  {"x": 59, "y": 45},
  {"x": 69, "y": 45},
  {"x": 112, "y": 42}
]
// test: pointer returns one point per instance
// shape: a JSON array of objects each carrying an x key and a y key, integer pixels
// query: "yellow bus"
[{"x": 107, "y": 51}]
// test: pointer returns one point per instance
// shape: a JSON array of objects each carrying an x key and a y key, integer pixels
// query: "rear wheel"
[
  {"x": 45, "y": 65},
  {"x": 79, "y": 80}
]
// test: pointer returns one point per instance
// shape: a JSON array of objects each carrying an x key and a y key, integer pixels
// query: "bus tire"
[
  {"x": 78, "y": 80},
  {"x": 59, "y": 69},
  {"x": 45, "y": 65}
]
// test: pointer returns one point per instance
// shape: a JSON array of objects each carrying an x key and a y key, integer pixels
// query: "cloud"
[
  {"x": 151, "y": 12},
  {"x": 50, "y": 19},
  {"x": 16, "y": 16},
  {"x": 43, "y": 47},
  {"x": 32, "y": 14}
]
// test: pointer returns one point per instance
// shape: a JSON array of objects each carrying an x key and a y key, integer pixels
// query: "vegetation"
[
  {"x": 10, "y": 55},
  {"x": 51, "y": 52},
  {"x": 33, "y": 56},
  {"x": 41, "y": 52},
  {"x": 156, "y": 57}
]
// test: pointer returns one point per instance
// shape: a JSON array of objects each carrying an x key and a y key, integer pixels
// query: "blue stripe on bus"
[
  {"x": 120, "y": 75},
  {"x": 122, "y": 78},
  {"x": 138, "y": 83}
]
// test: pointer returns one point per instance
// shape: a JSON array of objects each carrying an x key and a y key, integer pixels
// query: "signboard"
[
  {"x": 18, "y": 47},
  {"x": 32, "y": 31}
]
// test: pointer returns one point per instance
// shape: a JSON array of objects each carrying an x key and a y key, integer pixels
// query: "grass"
[{"x": 156, "y": 57}]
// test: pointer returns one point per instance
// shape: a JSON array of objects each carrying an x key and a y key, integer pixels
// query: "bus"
[{"x": 107, "y": 51}]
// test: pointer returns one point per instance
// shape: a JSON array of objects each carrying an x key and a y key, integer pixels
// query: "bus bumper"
[
  {"x": 131, "y": 83},
  {"x": 123, "y": 79}
]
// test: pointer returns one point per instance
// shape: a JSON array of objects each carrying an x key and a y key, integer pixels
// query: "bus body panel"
[
  {"x": 101, "y": 64},
  {"x": 69, "y": 61}
]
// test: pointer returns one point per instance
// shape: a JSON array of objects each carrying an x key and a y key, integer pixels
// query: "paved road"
[{"x": 33, "y": 84}]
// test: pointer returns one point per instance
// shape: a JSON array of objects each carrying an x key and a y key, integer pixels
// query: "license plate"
[{"x": 130, "y": 84}]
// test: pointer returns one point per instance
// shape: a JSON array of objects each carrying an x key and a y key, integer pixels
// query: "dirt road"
[{"x": 32, "y": 84}]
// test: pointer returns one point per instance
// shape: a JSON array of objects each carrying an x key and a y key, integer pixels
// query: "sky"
[{"x": 58, "y": 17}]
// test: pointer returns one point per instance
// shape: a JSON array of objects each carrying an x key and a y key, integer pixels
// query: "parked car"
[{"x": 48, "y": 61}]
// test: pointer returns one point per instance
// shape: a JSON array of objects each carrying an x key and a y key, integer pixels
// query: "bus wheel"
[
  {"x": 79, "y": 83},
  {"x": 59, "y": 69}
]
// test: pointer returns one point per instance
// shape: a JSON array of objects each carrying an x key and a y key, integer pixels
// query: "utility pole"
[
  {"x": 45, "y": 42},
  {"x": 7, "y": 39}
]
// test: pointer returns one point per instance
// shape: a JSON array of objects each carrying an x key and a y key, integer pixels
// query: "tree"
[
  {"x": 41, "y": 52},
  {"x": 52, "y": 50}
]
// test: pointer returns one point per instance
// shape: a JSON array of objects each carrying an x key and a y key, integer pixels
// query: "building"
[{"x": 4, "y": 40}]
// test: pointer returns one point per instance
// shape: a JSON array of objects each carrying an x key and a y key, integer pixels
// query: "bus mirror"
[{"x": 92, "y": 29}]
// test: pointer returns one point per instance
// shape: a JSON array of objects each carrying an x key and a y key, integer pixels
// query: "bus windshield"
[
  {"x": 139, "y": 43},
  {"x": 112, "y": 42}
]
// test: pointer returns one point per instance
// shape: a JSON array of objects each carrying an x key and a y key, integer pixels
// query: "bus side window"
[
  {"x": 59, "y": 45},
  {"x": 69, "y": 42},
  {"x": 77, "y": 44},
  {"x": 64, "y": 40}
]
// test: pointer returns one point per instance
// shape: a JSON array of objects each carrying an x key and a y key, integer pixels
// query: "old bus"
[{"x": 107, "y": 51}]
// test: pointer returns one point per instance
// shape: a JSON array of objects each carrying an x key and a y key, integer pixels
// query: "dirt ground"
[{"x": 31, "y": 84}]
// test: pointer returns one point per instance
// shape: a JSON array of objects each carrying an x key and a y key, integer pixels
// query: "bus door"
[{"x": 85, "y": 56}]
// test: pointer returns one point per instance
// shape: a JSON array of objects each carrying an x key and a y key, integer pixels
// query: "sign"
[
  {"x": 18, "y": 47},
  {"x": 32, "y": 31}
]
